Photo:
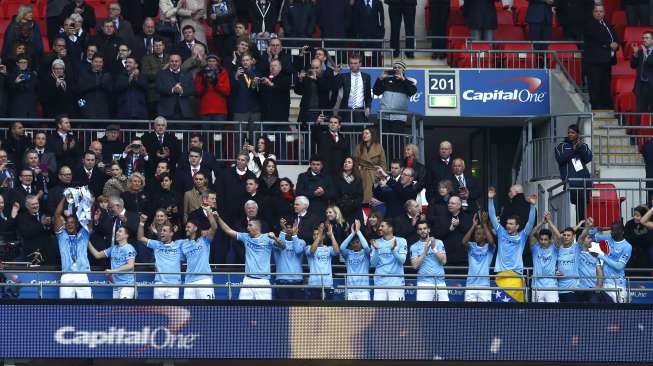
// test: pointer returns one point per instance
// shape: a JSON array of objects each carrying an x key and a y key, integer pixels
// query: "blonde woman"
[
  {"x": 135, "y": 197},
  {"x": 368, "y": 155},
  {"x": 23, "y": 30},
  {"x": 337, "y": 220},
  {"x": 411, "y": 160}
]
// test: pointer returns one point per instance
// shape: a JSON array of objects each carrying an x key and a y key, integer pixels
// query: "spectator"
[
  {"x": 151, "y": 65},
  {"x": 539, "y": 17},
  {"x": 304, "y": 219},
  {"x": 94, "y": 86},
  {"x": 88, "y": 174},
  {"x": 123, "y": 27},
  {"x": 4, "y": 82},
  {"x": 468, "y": 188},
  {"x": 16, "y": 143},
  {"x": 193, "y": 197},
  {"x": 331, "y": 144},
  {"x": 572, "y": 155},
  {"x": 162, "y": 167},
  {"x": 643, "y": 87},
  {"x": 53, "y": 10},
  {"x": 55, "y": 193},
  {"x": 268, "y": 181},
  {"x": 639, "y": 234},
  {"x": 108, "y": 41},
  {"x": 368, "y": 155},
  {"x": 339, "y": 225},
  {"x": 7, "y": 172},
  {"x": 130, "y": 88},
  {"x": 316, "y": 186},
  {"x": 275, "y": 93},
  {"x": 160, "y": 144},
  {"x": 394, "y": 194},
  {"x": 187, "y": 170},
  {"x": 34, "y": 227},
  {"x": 143, "y": 44},
  {"x": 481, "y": 17},
  {"x": 56, "y": 90},
  {"x": 23, "y": 84},
  {"x": 41, "y": 176},
  {"x": 356, "y": 98},
  {"x": 167, "y": 199},
  {"x": 316, "y": 88},
  {"x": 134, "y": 159},
  {"x": 283, "y": 203},
  {"x": 349, "y": 190},
  {"x": 298, "y": 19},
  {"x": 87, "y": 59},
  {"x": 137, "y": 11},
  {"x": 8, "y": 221},
  {"x": 242, "y": 46},
  {"x": 573, "y": 15},
  {"x": 201, "y": 214},
  {"x": 637, "y": 12},
  {"x": 59, "y": 51},
  {"x": 438, "y": 204},
  {"x": 24, "y": 30},
  {"x": 196, "y": 62},
  {"x": 398, "y": 9},
  {"x": 406, "y": 224},
  {"x": 251, "y": 211},
  {"x": 112, "y": 145},
  {"x": 117, "y": 183},
  {"x": 258, "y": 154},
  {"x": 213, "y": 87},
  {"x": 82, "y": 8},
  {"x": 175, "y": 89},
  {"x": 439, "y": 21},
  {"x": 25, "y": 186},
  {"x": 263, "y": 14},
  {"x": 231, "y": 188},
  {"x": 135, "y": 196},
  {"x": 76, "y": 38},
  {"x": 372, "y": 226},
  {"x": 516, "y": 205},
  {"x": 369, "y": 24},
  {"x": 208, "y": 159},
  {"x": 96, "y": 148},
  {"x": 395, "y": 90},
  {"x": 185, "y": 47},
  {"x": 451, "y": 228},
  {"x": 439, "y": 170},
  {"x": 411, "y": 160},
  {"x": 222, "y": 19},
  {"x": 46, "y": 157},
  {"x": 245, "y": 104},
  {"x": 63, "y": 143},
  {"x": 333, "y": 17},
  {"x": 275, "y": 52},
  {"x": 118, "y": 66},
  {"x": 192, "y": 13},
  {"x": 600, "y": 45}
]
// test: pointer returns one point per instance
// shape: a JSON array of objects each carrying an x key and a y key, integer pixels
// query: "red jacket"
[{"x": 213, "y": 98}]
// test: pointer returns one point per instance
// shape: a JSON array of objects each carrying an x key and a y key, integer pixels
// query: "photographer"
[
  {"x": 244, "y": 100},
  {"x": 22, "y": 90},
  {"x": 213, "y": 87},
  {"x": 134, "y": 158},
  {"x": 56, "y": 91},
  {"x": 316, "y": 87}
]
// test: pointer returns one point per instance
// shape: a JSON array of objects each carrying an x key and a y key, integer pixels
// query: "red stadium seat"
[
  {"x": 622, "y": 84},
  {"x": 521, "y": 56},
  {"x": 4, "y": 23},
  {"x": 484, "y": 59},
  {"x": 456, "y": 17},
  {"x": 505, "y": 17},
  {"x": 509, "y": 33},
  {"x": 611, "y": 6},
  {"x": 604, "y": 205},
  {"x": 622, "y": 68},
  {"x": 632, "y": 35},
  {"x": 570, "y": 58},
  {"x": 455, "y": 33},
  {"x": 618, "y": 21}
]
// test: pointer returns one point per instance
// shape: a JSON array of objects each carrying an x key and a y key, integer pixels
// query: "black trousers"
[
  {"x": 53, "y": 24},
  {"x": 397, "y": 13},
  {"x": 438, "y": 28},
  {"x": 598, "y": 79},
  {"x": 579, "y": 197},
  {"x": 539, "y": 32},
  {"x": 638, "y": 15},
  {"x": 644, "y": 96}
]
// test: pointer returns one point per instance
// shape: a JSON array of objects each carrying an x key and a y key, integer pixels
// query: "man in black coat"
[
  {"x": 306, "y": 220},
  {"x": 144, "y": 42},
  {"x": 356, "y": 92},
  {"x": 601, "y": 44},
  {"x": 94, "y": 86},
  {"x": 317, "y": 187},
  {"x": 539, "y": 17},
  {"x": 439, "y": 14},
  {"x": 63, "y": 143},
  {"x": 398, "y": 10},
  {"x": 394, "y": 194},
  {"x": 451, "y": 228},
  {"x": 16, "y": 144},
  {"x": 275, "y": 93},
  {"x": 161, "y": 145},
  {"x": 34, "y": 227},
  {"x": 184, "y": 48},
  {"x": 108, "y": 41},
  {"x": 439, "y": 169},
  {"x": 252, "y": 194},
  {"x": 331, "y": 145},
  {"x": 317, "y": 90},
  {"x": 55, "y": 194},
  {"x": 26, "y": 186},
  {"x": 200, "y": 216},
  {"x": 88, "y": 174},
  {"x": 109, "y": 222},
  {"x": 369, "y": 24},
  {"x": 641, "y": 61},
  {"x": 112, "y": 144},
  {"x": 130, "y": 88},
  {"x": 82, "y": 8},
  {"x": 231, "y": 188},
  {"x": 406, "y": 224},
  {"x": 187, "y": 169},
  {"x": 465, "y": 186},
  {"x": 175, "y": 88},
  {"x": 208, "y": 161},
  {"x": 516, "y": 205}
]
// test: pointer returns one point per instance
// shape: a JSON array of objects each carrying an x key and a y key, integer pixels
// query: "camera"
[
  {"x": 135, "y": 146},
  {"x": 390, "y": 72},
  {"x": 211, "y": 74}
]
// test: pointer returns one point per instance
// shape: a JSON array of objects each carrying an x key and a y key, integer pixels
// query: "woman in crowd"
[
  {"x": 283, "y": 203},
  {"x": 117, "y": 184},
  {"x": 438, "y": 204},
  {"x": 23, "y": 29},
  {"x": 411, "y": 160},
  {"x": 639, "y": 233},
  {"x": 338, "y": 223},
  {"x": 368, "y": 155},
  {"x": 350, "y": 190},
  {"x": 268, "y": 181},
  {"x": 372, "y": 225},
  {"x": 258, "y": 154},
  {"x": 167, "y": 199},
  {"x": 135, "y": 197},
  {"x": 158, "y": 221}
]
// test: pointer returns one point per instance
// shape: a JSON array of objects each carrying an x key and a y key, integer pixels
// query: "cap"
[
  {"x": 113, "y": 127},
  {"x": 212, "y": 56},
  {"x": 399, "y": 64},
  {"x": 58, "y": 62}
]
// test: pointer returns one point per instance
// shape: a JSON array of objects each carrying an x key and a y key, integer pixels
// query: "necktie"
[
  {"x": 356, "y": 95},
  {"x": 89, "y": 174},
  {"x": 29, "y": 190},
  {"x": 445, "y": 162},
  {"x": 195, "y": 170},
  {"x": 161, "y": 139},
  {"x": 40, "y": 154},
  {"x": 190, "y": 45},
  {"x": 148, "y": 45},
  {"x": 36, "y": 216},
  {"x": 335, "y": 137},
  {"x": 460, "y": 181}
]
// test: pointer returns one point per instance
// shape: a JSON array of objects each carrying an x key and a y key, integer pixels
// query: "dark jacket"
[
  {"x": 69, "y": 156},
  {"x": 436, "y": 172},
  {"x": 281, "y": 208},
  {"x": 456, "y": 254},
  {"x": 275, "y": 99},
  {"x": 94, "y": 89},
  {"x": 349, "y": 197},
  {"x": 516, "y": 206},
  {"x": 264, "y": 18},
  {"x": 333, "y": 18},
  {"x": 566, "y": 156},
  {"x": 230, "y": 189},
  {"x": 137, "y": 202},
  {"x": 130, "y": 96},
  {"x": 56, "y": 100},
  {"x": 480, "y": 14},
  {"x": 344, "y": 82},
  {"x": 394, "y": 195},
  {"x": 332, "y": 153},
  {"x": 223, "y": 25},
  {"x": 184, "y": 51},
  {"x": 597, "y": 41},
  {"x": 474, "y": 188},
  {"x": 316, "y": 94},
  {"x": 647, "y": 154},
  {"x": 154, "y": 146},
  {"x": 184, "y": 177},
  {"x": 644, "y": 67},
  {"x": 88, "y": 15},
  {"x": 299, "y": 20},
  {"x": 539, "y": 12},
  {"x": 392, "y": 84},
  {"x": 95, "y": 184},
  {"x": 23, "y": 95},
  {"x": 244, "y": 98},
  {"x": 307, "y": 183},
  {"x": 369, "y": 21},
  {"x": 168, "y": 101},
  {"x": 404, "y": 228},
  {"x": 108, "y": 46},
  {"x": 35, "y": 236},
  {"x": 307, "y": 224}
]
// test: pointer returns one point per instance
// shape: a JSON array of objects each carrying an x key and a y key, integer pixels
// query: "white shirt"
[
  {"x": 63, "y": 136},
  {"x": 358, "y": 94}
]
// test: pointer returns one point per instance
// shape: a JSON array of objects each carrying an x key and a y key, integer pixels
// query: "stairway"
[{"x": 613, "y": 147}]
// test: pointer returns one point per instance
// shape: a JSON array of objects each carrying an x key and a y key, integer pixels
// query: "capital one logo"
[
  {"x": 529, "y": 93},
  {"x": 161, "y": 337}
]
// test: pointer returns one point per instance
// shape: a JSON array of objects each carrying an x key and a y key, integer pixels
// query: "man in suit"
[
  {"x": 88, "y": 174},
  {"x": 439, "y": 14},
  {"x": 24, "y": 187},
  {"x": 465, "y": 186},
  {"x": 601, "y": 44},
  {"x": 439, "y": 169},
  {"x": 34, "y": 227},
  {"x": 144, "y": 42},
  {"x": 46, "y": 157},
  {"x": 317, "y": 186},
  {"x": 41, "y": 173},
  {"x": 134, "y": 158},
  {"x": 187, "y": 170},
  {"x": 643, "y": 63},
  {"x": 150, "y": 66},
  {"x": 369, "y": 22},
  {"x": 331, "y": 144},
  {"x": 94, "y": 86},
  {"x": 108, "y": 41},
  {"x": 398, "y": 10},
  {"x": 160, "y": 144},
  {"x": 394, "y": 194},
  {"x": 406, "y": 224},
  {"x": 16, "y": 143},
  {"x": 184, "y": 48},
  {"x": 252, "y": 194},
  {"x": 55, "y": 194},
  {"x": 82, "y": 8},
  {"x": 124, "y": 29},
  {"x": 231, "y": 188},
  {"x": 539, "y": 16},
  {"x": 208, "y": 161},
  {"x": 63, "y": 143},
  {"x": 175, "y": 88},
  {"x": 200, "y": 216},
  {"x": 306, "y": 220},
  {"x": 108, "y": 223},
  {"x": 451, "y": 228},
  {"x": 354, "y": 92}
]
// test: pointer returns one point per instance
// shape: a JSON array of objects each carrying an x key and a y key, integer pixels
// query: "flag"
[{"x": 509, "y": 279}]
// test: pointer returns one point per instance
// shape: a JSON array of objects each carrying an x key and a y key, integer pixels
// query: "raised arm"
[
  {"x": 532, "y": 199},
  {"x": 589, "y": 224},
  {"x": 213, "y": 228},
  {"x": 227, "y": 230},
  {"x": 470, "y": 232},
  {"x": 646, "y": 219},
  {"x": 140, "y": 233},
  {"x": 94, "y": 252},
  {"x": 532, "y": 237},
  {"x": 491, "y": 192},
  {"x": 58, "y": 216},
  {"x": 334, "y": 242},
  {"x": 316, "y": 241},
  {"x": 486, "y": 228},
  {"x": 348, "y": 239},
  {"x": 557, "y": 237}
]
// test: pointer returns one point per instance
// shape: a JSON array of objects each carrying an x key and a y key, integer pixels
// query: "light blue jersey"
[
  {"x": 196, "y": 253},
  {"x": 358, "y": 263},
  {"x": 167, "y": 258},
  {"x": 510, "y": 247},
  {"x": 120, "y": 255},
  {"x": 73, "y": 250},
  {"x": 568, "y": 266},
  {"x": 615, "y": 262},
  {"x": 258, "y": 252},
  {"x": 320, "y": 262},
  {"x": 479, "y": 259},
  {"x": 289, "y": 258},
  {"x": 389, "y": 262},
  {"x": 431, "y": 266},
  {"x": 544, "y": 265},
  {"x": 587, "y": 268}
]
